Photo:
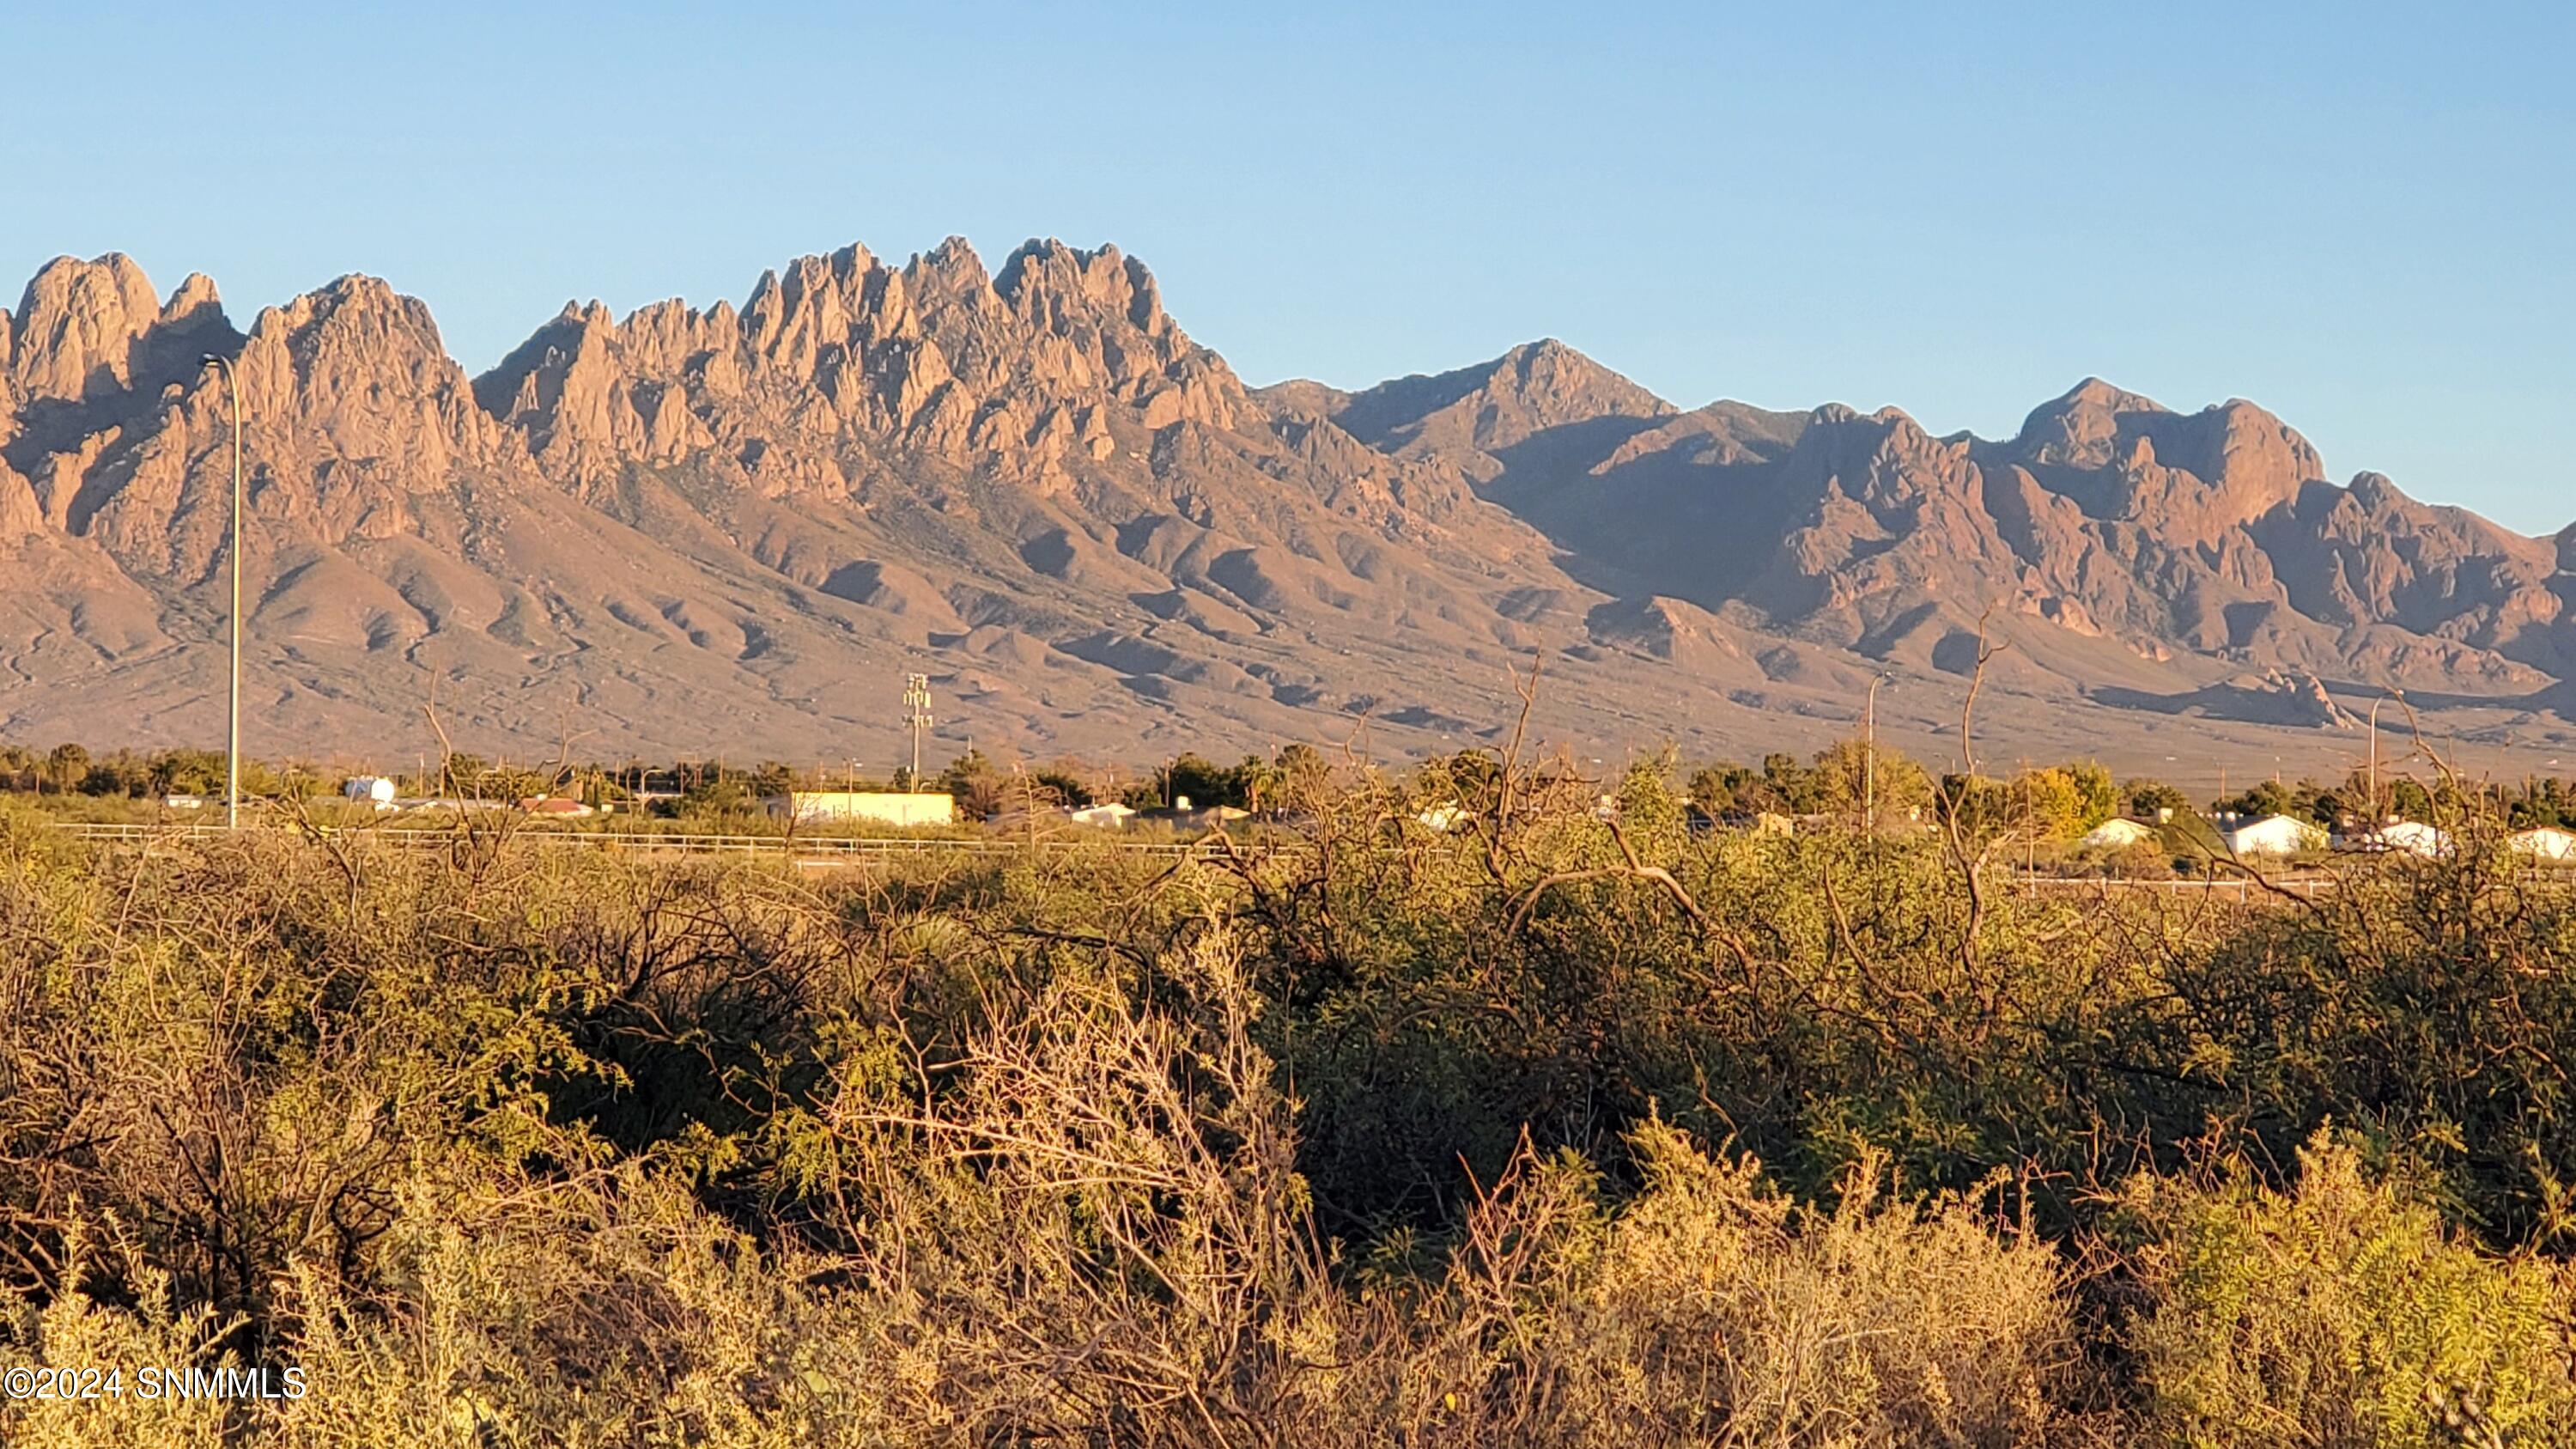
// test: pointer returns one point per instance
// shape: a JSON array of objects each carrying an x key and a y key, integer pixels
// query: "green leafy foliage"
[{"x": 2342, "y": 1312}]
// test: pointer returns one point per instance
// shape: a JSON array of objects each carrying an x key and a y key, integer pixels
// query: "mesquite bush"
[{"x": 1555, "y": 1126}]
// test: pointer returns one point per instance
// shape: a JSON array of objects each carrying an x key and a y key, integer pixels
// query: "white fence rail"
[{"x": 815, "y": 847}]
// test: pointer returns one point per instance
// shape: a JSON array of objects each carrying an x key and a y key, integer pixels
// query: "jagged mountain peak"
[
  {"x": 1302, "y": 397},
  {"x": 2082, "y": 427},
  {"x": 1041, "y": 275},
  {"x": 196, "y": 300},
  {"x": 953, "y": 267},
  {"x": 1890, "y": 419},
  {"x": 112, "y": 277},
  {"x": 95, "y": 328},
  {"x": 1532, "y": 388},
  {"x": 352, "y": 323},
  {"x": 359, "y": 295},
  {"x": 2094, "y": 393},
  {"x": 837, "y": 359},
  {"x": 357, "y": 370},
  {"x": 2185, "y": 477},
  {"x": 2376, "y": 490},
  {"x": 1558, "y": 367}
]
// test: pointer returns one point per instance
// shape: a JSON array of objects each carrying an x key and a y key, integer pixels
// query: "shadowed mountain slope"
[{"x": 2108, "y": 518}]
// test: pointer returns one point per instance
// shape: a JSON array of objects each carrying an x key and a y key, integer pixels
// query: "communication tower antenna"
[{"x": 916, "y": 703}]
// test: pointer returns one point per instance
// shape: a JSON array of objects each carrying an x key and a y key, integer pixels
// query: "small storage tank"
[{"x": 373, "y": 789}]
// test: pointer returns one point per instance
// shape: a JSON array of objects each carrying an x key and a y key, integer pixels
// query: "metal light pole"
[
  {"x": 1869, "y": 757},
  {"x": 2376, "y": 814},
  {"x": 232, "y": 733}
]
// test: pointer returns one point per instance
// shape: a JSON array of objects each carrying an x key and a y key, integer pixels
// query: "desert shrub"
[
  {"x": 2426, "y": 1003},
  {"x": 151, "y": 1327},
  {"x": 1390, "y": 1135},
  {"x": 2341, "y": 1313},
  {"x": 1811, "y": 999},
  {"x": 1712, "y": 1309},
  {"x": 234, "y": 1055}
]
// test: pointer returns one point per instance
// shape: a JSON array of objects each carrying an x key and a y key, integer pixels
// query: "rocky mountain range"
[{"x": 733, "y": 531}]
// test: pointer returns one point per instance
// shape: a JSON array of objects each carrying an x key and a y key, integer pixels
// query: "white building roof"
[
  {"x": 2409, "y": 837},
  {"x": 2117, "y": 834},
  {"x": 2548, "y": 842},
  {"x": 2275, "y": 835}
]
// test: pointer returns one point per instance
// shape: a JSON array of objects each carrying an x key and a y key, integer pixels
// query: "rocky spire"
[
  {"x": 1019, "y": 374},
  {"x": 87, "y": 330},
  {"x": 359, "y": 369}
]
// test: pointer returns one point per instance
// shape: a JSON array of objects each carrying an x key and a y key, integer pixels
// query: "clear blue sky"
[{"x": 2362, "y": 216}]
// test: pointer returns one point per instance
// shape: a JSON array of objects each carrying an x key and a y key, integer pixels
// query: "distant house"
[
  {"x": 1759, "y": 822},
  {"x": 2117, "y": 835},
  {"x": 880, "y": 807},
  {"x": 2400, "y": 837},
  {"x": 2545, "y": 842},
  {"x": 555, "y": 807},
  {"x": 373, "y": 790},
  {"x": 2274, "y": 835},
  {"x": 1182, "y": 815},
  {"x": 1444, "y": 818},
  {"x": 1107, "y": 815}
]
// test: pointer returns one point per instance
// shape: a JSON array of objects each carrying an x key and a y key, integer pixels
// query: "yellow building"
[{"x": 879, "y": 807}]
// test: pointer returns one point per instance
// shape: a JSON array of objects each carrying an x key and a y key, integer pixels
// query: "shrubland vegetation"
[
  {"x": 2047, "y": 804},
  {"x": 1557, "y": 1126}
]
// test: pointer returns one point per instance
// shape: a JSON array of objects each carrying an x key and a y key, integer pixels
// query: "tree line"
[{"x": 2055, "y": 802}]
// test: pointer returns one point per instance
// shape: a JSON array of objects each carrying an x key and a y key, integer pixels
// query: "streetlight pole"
[
  {"x": 232, "y": 732},
  {"x": 1869, "y": 757},
  {"x": 2376, "y": 814}
]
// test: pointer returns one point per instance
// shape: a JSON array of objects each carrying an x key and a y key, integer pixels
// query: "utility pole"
[
  {"x": 916, "y": 703},
  {"x": 232, "y": 733}
]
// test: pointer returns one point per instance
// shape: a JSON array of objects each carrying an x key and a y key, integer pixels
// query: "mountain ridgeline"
[{"x": 734, "y": 529}]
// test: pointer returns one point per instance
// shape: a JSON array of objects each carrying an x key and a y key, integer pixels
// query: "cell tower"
[{"x": 916, "y": 703}]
